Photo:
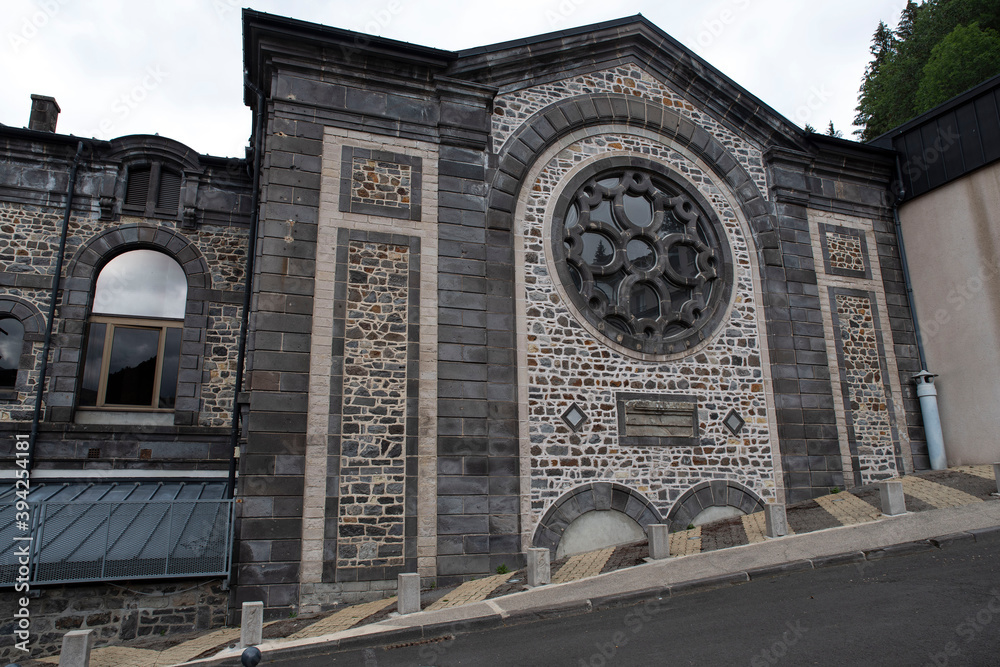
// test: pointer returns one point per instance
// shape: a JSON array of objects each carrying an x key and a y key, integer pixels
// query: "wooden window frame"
[{"x": 129, "y": 323}]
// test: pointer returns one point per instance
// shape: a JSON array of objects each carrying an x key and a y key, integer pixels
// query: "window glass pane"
[
  {"x": 132, "y": 372},
  {"x": 602, "y": 213},
  {"x": 619, "y": 324},
  {"x": 572, "y": 216},
  {"x": 598, "y": 250},
  {"x": 11, "y": 343},
  {"x": 609, "y": 285},
  {"x": 92, "y": 364},
  {"x": 645, "y": 302},
  {"x": 684, "y": 259},
  {"x": 168, "y": 376},
  {"x": 144, "y": 283},
  {"x": 639, "y": 210},
  {"x": 577, "y": 278},
  {"x": 641, "y": 254}
]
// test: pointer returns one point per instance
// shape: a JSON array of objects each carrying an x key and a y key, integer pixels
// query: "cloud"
[{"x": 96, "y": 58}]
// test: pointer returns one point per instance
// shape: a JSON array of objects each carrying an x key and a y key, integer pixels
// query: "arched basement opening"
[{"x": 595, "y": 516}]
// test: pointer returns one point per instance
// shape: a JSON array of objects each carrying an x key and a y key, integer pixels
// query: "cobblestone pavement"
[
  {"x": 582, "y": 566},
  {"x": 848, "y": 509},
  {"x": 926, "y": 491},
  {"x": 470, "y": 591}
]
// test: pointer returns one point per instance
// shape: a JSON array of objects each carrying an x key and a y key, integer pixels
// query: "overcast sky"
[{"x": 174, "y": 67}]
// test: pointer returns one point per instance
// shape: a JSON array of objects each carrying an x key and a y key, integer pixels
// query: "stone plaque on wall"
[{"x": 656, "y": 419}]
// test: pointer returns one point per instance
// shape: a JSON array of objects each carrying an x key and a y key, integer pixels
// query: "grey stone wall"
[
  {"x": 115, "y": 613},
  {"x": 840, "y": 181},
  {"x": 478, "y": 467},
  {"x": 207, "y": 235}
]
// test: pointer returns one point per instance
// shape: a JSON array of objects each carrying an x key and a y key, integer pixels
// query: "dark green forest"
[{"x": 940, "y": 49}]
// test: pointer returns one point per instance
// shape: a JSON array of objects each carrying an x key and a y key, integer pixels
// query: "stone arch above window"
[
  {"x": 596, "y": 496},
  {"x": 718, "y": 493},
  {"x": 573, "y": 114},
  {"x": 83, "y": 272}
]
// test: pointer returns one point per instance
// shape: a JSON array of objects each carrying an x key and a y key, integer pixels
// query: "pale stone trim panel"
[
  {"x": 331, "y": 220},
  {"x": 875, "y": 285}
]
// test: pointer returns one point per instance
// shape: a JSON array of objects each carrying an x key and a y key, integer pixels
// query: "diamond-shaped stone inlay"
[
  {"x": 574, "y": 417},
  {"x": 734, "y": 422}
]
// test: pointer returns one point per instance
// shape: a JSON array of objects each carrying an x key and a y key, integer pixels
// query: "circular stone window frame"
[{"x": 556, "y": 258}]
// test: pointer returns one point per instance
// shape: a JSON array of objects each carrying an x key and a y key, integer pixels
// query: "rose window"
[{"x": 643, "y": 260}]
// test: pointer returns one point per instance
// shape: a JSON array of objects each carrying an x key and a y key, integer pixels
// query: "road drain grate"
[{"x": 433, "y": 640}]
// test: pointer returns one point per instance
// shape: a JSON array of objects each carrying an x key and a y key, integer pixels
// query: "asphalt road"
[{"x": 940, "y": 608}]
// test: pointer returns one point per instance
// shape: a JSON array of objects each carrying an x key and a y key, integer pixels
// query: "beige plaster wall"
[{"x": 952, "y": 238}]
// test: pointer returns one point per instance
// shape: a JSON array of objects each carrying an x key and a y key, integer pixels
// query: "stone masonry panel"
[
  {"x": 566, "y": 365},
  {"x": 510, "y": 111},
  {"x": 373, "y": 453},
  {"x": 380, "y": 183},
  {"x": 845, "y": 252},
  {"x": 866, "y": 398}
]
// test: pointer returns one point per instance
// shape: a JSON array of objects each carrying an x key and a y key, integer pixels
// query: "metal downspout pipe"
[
  {"x": 926, "y": 391},
  {"x": 234, "y": 436},
  {"x": 56, "y": 283}
]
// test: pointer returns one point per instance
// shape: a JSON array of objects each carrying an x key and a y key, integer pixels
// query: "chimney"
[{"x": 44, "y": 113}]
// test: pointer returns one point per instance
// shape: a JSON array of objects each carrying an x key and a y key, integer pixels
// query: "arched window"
[
  {"x": 11, "y": 344},
  {"x": 134, "y": 337}
]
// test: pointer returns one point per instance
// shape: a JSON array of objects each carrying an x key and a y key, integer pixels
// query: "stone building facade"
[
  {"x": 136, "y": 203},
  {"x": 540, "y": 293},
  {"x": 545, "y": 293}
]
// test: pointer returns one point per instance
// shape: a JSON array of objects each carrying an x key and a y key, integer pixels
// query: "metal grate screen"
[{"x": 76, "y": 539}]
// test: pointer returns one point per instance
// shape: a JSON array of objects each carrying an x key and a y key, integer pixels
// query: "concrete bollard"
[
  {"x": 539, "y": 572},
  {"x": 775, "y": 520},
  {"x": 252, "y": 624},
  {"x": 996, "y": 475},
  {"x": 76, "y": 649},
  {"x": 408, "y": 593},
  {"x": 893, "y": 500},
  {"x": 659, "y": 540}
]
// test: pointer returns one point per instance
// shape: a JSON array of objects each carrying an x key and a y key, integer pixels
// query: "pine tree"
[{"x": 889, "y": 89}]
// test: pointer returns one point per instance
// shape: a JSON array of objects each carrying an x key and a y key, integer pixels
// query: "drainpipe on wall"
[
  {"x": 926, "y": 391},
  {"x": 234, "y": 436},
  {"x": 56, "y": 282}
]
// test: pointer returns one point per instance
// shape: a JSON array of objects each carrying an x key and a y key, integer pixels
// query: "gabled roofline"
[
  {"x": 638, "y": 36},
  {"x": 549, "y": 36}
]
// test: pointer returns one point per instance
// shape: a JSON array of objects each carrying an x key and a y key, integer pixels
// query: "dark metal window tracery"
[{"x": 643, "y": 259}]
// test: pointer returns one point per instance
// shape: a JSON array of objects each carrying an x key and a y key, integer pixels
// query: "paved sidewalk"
[{"x": 957, "y": 491}]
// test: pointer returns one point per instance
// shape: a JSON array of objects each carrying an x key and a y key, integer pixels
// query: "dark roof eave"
[
  {"x": 49, "y": 137},
  {"x": 256, "y": 24},
  {"x": 885, "y": 138}
]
